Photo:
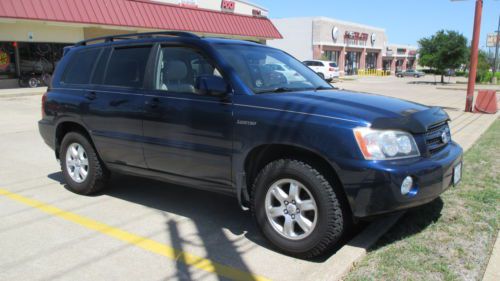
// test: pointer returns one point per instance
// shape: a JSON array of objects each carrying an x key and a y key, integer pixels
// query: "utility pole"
[
  {"x": 497, "y": 42},
  {"x": 473, "y": 56}
]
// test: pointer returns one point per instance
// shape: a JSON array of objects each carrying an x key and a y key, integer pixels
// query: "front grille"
[{"x": 434, "y": 139}]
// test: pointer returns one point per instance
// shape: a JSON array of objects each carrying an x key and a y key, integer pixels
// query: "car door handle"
[
  {"x": 91, "y": 95},
  {"x": 153, "y": 103}
]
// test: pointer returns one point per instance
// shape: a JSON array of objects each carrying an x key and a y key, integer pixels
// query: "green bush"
[{"x": 486, "y": 78}]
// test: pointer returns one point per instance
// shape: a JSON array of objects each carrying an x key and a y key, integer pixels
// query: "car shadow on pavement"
[
  {"x": 213, "y": 215},
  {"x": 414, "y": 221}
]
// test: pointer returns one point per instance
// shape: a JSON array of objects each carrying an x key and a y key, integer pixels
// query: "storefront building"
[
  {"x": 354, "y": 47},
  {"x": 34, "y": 32}
]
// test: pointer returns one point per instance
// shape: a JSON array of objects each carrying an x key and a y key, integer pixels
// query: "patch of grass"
[{"x": 451, "y": 237}]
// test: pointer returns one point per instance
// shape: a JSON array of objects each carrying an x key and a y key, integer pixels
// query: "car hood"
[{"x": 378, "y": 111}]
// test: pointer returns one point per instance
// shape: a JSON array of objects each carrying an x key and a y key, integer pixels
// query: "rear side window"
[
  {"x": 332, "y": 64},
  {"x": 127, "y": 66},
  {"x": 80, "y": 67},
  {"x": 98, "y": 76}
]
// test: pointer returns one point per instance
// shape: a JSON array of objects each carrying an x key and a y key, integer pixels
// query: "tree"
[
  {"x": 483, "y": 67},
  {"x": 443, "y": 50}
]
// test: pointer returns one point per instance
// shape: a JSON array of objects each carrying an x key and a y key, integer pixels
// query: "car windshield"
[{"x": 256, "y": 66}]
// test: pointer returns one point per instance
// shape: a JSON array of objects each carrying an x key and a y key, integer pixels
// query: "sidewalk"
[
  {"x": 21, "y": 92},
  {"x": 492, "y": 272}
]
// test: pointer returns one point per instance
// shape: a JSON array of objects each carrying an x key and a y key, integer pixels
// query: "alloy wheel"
[
  {"x": 77, "y": 162},
  {"x": 291, "y": 209}
]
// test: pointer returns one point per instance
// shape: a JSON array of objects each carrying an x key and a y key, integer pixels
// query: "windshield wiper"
[
  {"x": 278, "y": 90},
  {"x": 323, "y": 88}
]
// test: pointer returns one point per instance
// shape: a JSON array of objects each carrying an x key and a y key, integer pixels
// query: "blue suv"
[{"x": 306, "y": 158}]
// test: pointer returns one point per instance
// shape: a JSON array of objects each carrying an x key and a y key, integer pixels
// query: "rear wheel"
[
  {"x": 296, "y": 208},
  {"x": 82, "y": 169}
]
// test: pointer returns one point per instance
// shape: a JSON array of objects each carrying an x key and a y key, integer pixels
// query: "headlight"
[{"x": 385, "y": 144}]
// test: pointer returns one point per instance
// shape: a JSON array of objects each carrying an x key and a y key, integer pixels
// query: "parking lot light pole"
[{"x": 473, "y": 56}]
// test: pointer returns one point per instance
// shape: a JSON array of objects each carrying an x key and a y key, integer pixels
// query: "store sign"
[
  {"x": 188, "y": 3},
  {"x": 401, "y": 51},
  {"x": 492, "y": 40},
  {"x": 356, "y": 36},
  {"x": 4, "y": 60},
  {"x": 227, "y": 5},
  {"x": 335, "y": 33}
]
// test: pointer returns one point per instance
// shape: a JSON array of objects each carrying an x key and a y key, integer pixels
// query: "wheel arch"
[
  {"x": 258, "y": 157},
  {"x": 65, "y": 127}
]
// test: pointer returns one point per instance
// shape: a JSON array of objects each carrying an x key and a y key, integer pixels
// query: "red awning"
[{"x": 140, "y": 13}]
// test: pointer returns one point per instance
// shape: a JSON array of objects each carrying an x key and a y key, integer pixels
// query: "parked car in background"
[
  {"x": 327, "y": 70},
  {"x": 290, "y": 75},
  {"x": 410, "y": 73},
  {"x": 306, "y": 158}
]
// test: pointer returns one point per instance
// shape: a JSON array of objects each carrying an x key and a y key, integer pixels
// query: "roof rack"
[{"x": 112, "y": 38}]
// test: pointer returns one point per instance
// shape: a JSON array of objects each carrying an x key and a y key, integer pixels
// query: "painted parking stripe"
[{"x": 139, "y": 241}]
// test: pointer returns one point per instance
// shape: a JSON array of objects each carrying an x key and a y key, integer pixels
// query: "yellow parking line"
[{"x": 139, "y": 241}]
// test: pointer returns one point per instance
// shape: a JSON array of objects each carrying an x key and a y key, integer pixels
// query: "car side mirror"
[{"x": 211, "y": 85}]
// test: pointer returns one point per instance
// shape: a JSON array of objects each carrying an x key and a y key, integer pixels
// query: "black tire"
[
  {"x": 416, "y": 76},
  {"x": 97, "y": 175},
  {"x": 331, "y": 223}
]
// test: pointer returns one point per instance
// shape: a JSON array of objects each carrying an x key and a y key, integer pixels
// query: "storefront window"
[
  {"x": 410, "y": 64},
  {"x": 399, "y": 65},
  {"x": 386, "y": 65},
  {"x": 332, "y": 56},
  {"x": 7, "y": 60},
  {"x": 352, "y": 62},
  {"x": 371, "y": 61},
  {"x": 39, "y": 58}
]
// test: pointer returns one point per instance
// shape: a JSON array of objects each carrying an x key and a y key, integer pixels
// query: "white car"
[
  {"x": 326, "y": 69},
  {"x": 291, "y": 75}
]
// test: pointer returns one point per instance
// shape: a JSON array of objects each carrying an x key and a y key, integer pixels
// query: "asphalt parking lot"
[{"x": 137, "y": 230}]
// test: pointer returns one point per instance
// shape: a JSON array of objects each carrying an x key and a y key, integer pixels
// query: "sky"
[{"x": 405, "y": 21}]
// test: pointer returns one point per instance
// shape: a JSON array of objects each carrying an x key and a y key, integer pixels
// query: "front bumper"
[{"x": 373, "y": 187}]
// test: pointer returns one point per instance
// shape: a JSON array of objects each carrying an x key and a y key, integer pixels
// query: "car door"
[
  {"x": 188, "y": 134},
  {"x": 116, "y": 104}
]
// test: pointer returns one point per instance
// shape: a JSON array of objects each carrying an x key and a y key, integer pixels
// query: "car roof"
[{"x": 209, "y": 40}]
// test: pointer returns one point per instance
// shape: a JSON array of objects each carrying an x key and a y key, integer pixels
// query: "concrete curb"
[
  {"x": 465, "y": 89},
  {"x": 492, "y": 272},
  {"x": 341, "y": 263},
  {"x": 22, "y": 92}
]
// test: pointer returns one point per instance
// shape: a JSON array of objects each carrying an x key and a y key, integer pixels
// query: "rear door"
[
  {"x": 116, "y": 104},
  {"x": 188, "y": 134}
]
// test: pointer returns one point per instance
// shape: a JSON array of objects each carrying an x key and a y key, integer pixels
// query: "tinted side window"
[
  {"x": 127, "y": 66},
  {"x": 98, "y": 76},
  {"x": 80, "y": 67}
]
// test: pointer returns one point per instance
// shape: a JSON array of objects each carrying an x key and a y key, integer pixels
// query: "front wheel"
[
  {"x": 82, "y": 169},
  {"x": 297, "y": 209}
]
